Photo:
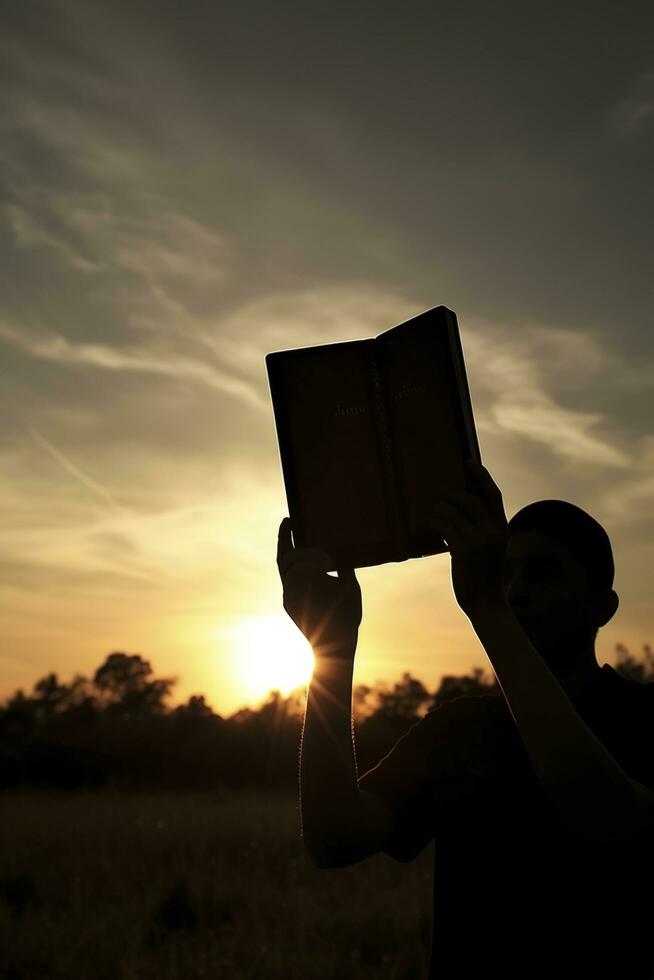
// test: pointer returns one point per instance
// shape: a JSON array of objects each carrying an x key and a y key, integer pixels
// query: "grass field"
[{"x": 140, "y": 886}]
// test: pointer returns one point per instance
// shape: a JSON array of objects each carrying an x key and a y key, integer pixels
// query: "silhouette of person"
[{"x": 541, "y": 819}]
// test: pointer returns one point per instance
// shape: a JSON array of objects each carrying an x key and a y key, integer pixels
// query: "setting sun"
[{"x": 270, "y": 652}]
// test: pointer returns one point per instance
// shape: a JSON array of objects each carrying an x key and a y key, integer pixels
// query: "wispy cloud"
[
  {"x": 72, "y": 469},
  {"x": 635, "y": 111},
  {"x": 53, "y": 347},
  {"x": 520, "y": 371},
  {"x": 30, "y": 231}
]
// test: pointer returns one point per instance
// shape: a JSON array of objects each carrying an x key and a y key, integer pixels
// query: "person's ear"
[{"x": 605, "y": 606}]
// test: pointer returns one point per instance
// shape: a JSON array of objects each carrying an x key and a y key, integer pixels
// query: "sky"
[{"x": 187, "y": 187}]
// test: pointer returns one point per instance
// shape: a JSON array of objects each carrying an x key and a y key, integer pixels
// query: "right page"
[{"x": 425, "y": 418}]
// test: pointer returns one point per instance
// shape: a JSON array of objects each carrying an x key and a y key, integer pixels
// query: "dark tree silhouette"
[
  {"x": 51, "y": 695},
  {"x": 628, "y": 666},
  {"x": 126, "y": 690},
  {"x": 460, "y": 687},
  {"x": 195, "y": 709},
  {"x": 403, "y": 700},
  {"x": 361, "y": 701},
  {"x": 118, "y": 729}
]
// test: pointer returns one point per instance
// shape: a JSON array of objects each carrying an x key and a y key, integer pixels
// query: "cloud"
[
  {"x": 157, "y": 247},
  {"x": 635, "y": 112},
  {"x": 564, "y": 433},
  {"x": 28, "y": 231},
  {"x": 72, "y": 469},
  {"x": 628, "y": 500},
  {"x": 519, "y": 370},
  {"x": 53, "y": 347}
]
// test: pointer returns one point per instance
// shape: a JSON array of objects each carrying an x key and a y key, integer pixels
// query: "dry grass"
[{"x": 140, "y": 886}]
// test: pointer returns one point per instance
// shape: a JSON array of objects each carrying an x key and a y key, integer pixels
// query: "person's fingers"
[
  {"x": 466, "y": 503},
  {"x": 488, "y": 488},
  {"x": 284, "y": 543},
  {"x": 455, "y": 518},
  {"x": 447, "y": 530},
  {"x": 313, "y": 559}
]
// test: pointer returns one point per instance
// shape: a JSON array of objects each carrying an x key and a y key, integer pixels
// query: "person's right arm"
[
  {"x": 341, "y": 824},
  {"x": 440, "y": 761}
]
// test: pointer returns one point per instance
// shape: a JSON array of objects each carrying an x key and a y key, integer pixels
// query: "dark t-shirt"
[{"x": 517, "y": 894}]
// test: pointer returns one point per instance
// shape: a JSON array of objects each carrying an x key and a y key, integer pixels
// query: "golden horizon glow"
[
  {"x": 142, "y": 486},
  {"x": 269, "y": 652}
]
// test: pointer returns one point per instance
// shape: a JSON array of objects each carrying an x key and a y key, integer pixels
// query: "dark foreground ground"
[{"x": 178, "y": 886}]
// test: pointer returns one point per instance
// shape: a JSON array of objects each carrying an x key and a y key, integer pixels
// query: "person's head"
[{"x": 558, "y": 578}]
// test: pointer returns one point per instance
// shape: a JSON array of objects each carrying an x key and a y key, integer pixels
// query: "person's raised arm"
[{"x": 340, "y": 824}]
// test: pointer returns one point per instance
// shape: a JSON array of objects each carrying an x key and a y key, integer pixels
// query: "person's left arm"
[
  {"x": 584, "y": 784},
  {"x": 582, "y": 781}
]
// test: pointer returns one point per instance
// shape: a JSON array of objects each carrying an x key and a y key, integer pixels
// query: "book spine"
[
  {"x": 462, "y": 385},
  {"x": 397, "y": 524}
]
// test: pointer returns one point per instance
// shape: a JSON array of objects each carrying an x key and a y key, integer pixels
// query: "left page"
[{"x": 328, "y": 431}]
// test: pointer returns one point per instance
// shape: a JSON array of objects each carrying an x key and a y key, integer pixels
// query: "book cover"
[{"x": 368, "y": 430}]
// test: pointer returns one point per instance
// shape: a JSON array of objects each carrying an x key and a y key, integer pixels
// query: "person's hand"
[
  {"x": 326, "y": 609},
  {"x": 475, "y": 528}
]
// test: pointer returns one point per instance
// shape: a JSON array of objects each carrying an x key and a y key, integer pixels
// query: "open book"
[{"x": 369, "y": 431}]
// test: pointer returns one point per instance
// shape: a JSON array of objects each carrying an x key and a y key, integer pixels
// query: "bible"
[{"x": 368, "y": 432}]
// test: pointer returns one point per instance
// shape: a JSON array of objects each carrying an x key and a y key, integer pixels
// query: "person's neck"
[{"x": 580, "y": 677}]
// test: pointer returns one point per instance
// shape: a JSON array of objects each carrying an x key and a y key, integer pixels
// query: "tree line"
[{"x": 117, "y": 729}]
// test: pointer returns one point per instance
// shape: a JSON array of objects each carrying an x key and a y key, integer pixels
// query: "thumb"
[{"x": 346, "y": 574}]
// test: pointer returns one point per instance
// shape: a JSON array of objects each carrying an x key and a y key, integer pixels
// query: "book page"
[
  {"x": 425, "y": 420},
  {"x": 333, "y": 445}
]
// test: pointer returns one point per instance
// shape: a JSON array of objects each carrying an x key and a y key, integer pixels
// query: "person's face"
[{"x": 546, "y": 587}]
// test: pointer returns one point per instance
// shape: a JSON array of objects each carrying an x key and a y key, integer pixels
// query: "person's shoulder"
[
  {"x": 631, "y": 692},
  {"x": 642, "y": 691},
  {"x": 466, "y": 709},
  {"x": 629, "y": 704}
]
